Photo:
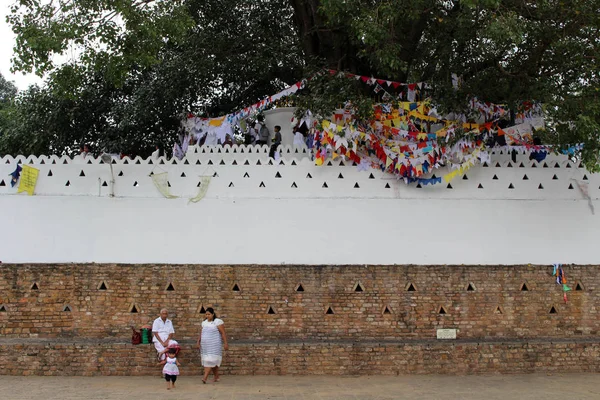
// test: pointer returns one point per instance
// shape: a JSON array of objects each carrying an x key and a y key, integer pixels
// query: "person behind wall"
[
  {"x": 162, "y": 333},
  {"x": 210, "y": 342},
  {"x": 250, "y": 133},
  {"x": 171, "y": 368},
  {"x": 276, "y": 141},
  {"x": 263, "y": 131}
]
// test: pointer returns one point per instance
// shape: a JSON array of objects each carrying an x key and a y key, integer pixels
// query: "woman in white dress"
[{"x": 211, "y": 340}]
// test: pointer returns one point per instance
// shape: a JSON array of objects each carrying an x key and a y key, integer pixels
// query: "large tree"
[{"x": 215, "y": 56}]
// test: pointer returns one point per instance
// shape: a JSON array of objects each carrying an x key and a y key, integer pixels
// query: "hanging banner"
[
  {"x": 204, "y": 183},
  {"x": 162, "y": 184},
  {"x": 29, "y": 178}
]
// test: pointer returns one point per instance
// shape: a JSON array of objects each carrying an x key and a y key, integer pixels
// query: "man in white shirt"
[{"x": 162, "y": 333}]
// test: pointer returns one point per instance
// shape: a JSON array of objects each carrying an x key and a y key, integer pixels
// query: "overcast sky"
[{"x": 7, "y": 41}]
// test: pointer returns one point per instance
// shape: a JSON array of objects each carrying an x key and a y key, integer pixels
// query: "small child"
[{"x": 170, "y": 369}]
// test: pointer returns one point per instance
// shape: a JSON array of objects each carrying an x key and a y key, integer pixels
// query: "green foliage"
[{"x": 136, "y": 66}]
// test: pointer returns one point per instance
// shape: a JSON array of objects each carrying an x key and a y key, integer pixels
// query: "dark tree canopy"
[{"x": 143, "y": 64}]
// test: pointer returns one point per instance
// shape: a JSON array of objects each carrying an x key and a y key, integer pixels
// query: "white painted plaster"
[{"x": 340, "y": 224}]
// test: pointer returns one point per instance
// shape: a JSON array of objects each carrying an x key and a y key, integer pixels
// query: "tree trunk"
[{"x": 327, "y": 44}]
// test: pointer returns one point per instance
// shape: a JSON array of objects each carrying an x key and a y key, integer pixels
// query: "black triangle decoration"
[
  {"x": 82, "y": 173},
  {"x": 246, "y": 175},
  {"x": 67, "y": 308},
  {"x": 571, "y": 186},
  {"x": 449, "y": 186},
  {"x": 202, "y": 310},
  {"x": 324, "y": 185},
  {"x": 371, "y": 176},
  {"x": 262, "y": 185},
  {"x": 541, "y": 187},
  {"x": 309, "y": 176},
  {"x": 356, "y": 186},
  {"x": 2, "y": 183},
  {"x": 340, "y": 176},
  {"x": 555, "y": 178},
  {"x": 525, "y": 178},
  {"x": 183, "y": 175},
  {"x": 465, "y": 178},
  {"x": 511, "y": 186},
  {"x": 387, "y": 186},
  {"x": 419, "y": 186},
  {"x": 246, "y": 162},
  {"x": 359, "y": 288},
  {"x": 495, "y": 178},
  {"x": 524, "y": 288},
  {"x": 50, "y": 173},
  {"x": 294, "y": 186},
  {"x": 121, "y": 173},
  {"x": 231, "y": 184},
  {"x": 480, "y": 186},
  {"x": 104, "y": 184},
  {"x": 294, "y": 161},
  {"x": 277, "y": 175}
]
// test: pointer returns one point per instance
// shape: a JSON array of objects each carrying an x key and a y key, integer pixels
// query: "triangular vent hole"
[
  {"x": 524, "y": 288},
  {"x": 387, "y": 310},
  {"x": 270, "y": 310},
  {"x": 411, "y": 288},
  {"x": 358, "y": 288},
  {"x": 236, "y": 288},
  {"x": 553, "y": 310},
  {"x": 67, "y": 308},
  {"x": 499, "y": 310},
  {"x": 470, "y": 288},
  {"x": 35, "y": 286},
  {"x": 202, "y": 310},
  {"x": 442, "y": 311},
  {"x": 170, "y": 288},
  {"x": 2, "y": 308},
  {"x": 329, "y": 311},
  {"x": 134, "y": 309},
  {"x": 578, "y": 287},
  {"x": 102, "y": 286},
  {"x": 300, "y": 288}
]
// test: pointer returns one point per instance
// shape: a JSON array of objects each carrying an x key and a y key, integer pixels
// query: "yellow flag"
[
  {"x": 29, "y": 177},
  {"x": 319, "y": 161},
  {"x": 216, "y": 121},
  {"x": 334, "y": 155},
  {"x": 325, "y": 124},
  {"x": 388, "y": 162}
]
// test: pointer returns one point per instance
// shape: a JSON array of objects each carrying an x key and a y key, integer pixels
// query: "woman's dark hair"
[
  {"x": 212, "y": 311},
  {"x": 172, "y": 351}
]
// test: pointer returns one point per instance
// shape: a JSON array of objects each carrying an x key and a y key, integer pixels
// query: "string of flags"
[{"x": 561, "y": 279}]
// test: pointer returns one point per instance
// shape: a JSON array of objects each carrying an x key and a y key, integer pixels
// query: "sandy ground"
[{"x": 522, "y": 387}]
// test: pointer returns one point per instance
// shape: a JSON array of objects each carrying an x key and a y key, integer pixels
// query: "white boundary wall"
[{"x": 251, "y": 216}]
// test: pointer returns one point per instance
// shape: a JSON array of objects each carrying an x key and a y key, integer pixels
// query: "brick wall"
[
  {"x": 105, "y": 358},
  {"x": 269, "y": 321},
  {"x": 497, "y": 307}
]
